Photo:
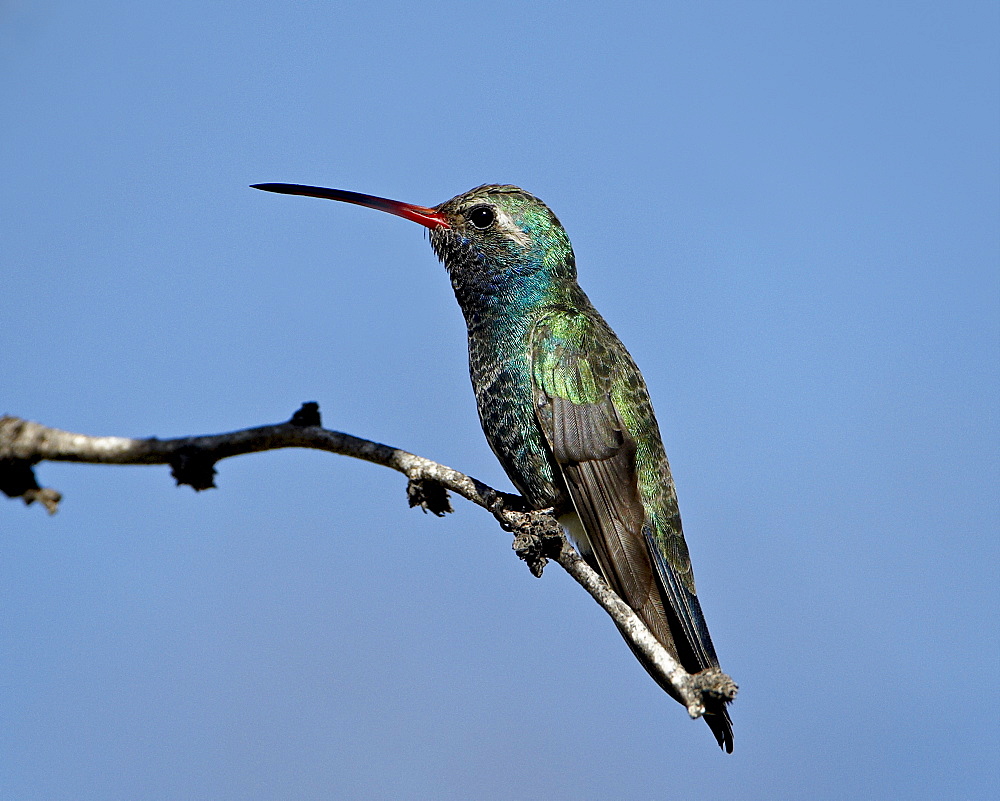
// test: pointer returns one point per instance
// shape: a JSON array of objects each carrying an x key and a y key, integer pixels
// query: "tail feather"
[{"x": 716, "y": 716}]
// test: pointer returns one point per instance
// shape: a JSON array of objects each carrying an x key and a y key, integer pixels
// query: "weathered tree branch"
[{"x": 537, "y": 535}]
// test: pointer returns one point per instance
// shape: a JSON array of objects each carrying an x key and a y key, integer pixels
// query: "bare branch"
[{"x": 538, "y": 536}]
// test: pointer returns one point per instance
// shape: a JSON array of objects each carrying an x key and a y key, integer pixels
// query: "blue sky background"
[{"x": 788, "y": 211}]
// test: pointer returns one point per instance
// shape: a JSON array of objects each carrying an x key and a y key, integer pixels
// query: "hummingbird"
[{"x": 563, "y": 405}]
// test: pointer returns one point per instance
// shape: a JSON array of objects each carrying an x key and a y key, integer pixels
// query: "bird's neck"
[{"x": 512, "y": 303}]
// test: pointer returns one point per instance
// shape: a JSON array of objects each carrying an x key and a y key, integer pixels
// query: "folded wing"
[{"x": 580, "y": 399}]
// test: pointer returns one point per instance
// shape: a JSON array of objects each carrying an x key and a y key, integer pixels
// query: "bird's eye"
[{"x": 482, "y": 217}]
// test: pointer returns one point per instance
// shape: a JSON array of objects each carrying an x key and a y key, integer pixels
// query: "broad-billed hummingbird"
[{"x": 563, "y": 405}]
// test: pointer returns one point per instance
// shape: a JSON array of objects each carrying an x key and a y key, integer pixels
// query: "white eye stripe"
[
  {"x": 511, "y": 229},
  {"x": 499, "y": 221}
]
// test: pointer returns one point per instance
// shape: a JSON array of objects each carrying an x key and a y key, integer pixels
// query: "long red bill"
[{"x": 431, "y": 218}]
